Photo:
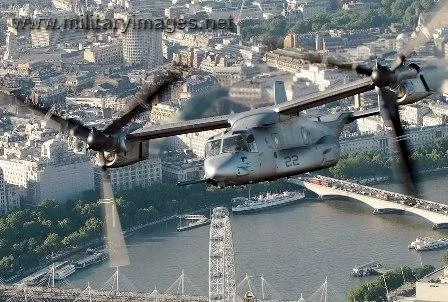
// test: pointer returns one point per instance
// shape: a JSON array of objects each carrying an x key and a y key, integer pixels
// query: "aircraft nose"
[{"x": 220, "y": 167}]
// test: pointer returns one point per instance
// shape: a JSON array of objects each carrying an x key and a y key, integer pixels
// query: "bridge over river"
[{"x": 382, "y": 201}]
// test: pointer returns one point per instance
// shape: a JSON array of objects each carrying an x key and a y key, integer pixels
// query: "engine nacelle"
[
  {"x": 412, "y": 90},
  {"x": 135, "y": 152}
]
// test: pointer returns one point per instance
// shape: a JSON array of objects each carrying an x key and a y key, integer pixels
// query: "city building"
[
  {"x": 287, "y": 60},
  {"x": 258, "y": 91},
  {"x": 194, "y": 141},
  {"x": 183, "y": 171},
  {"x": 311, "y": 9},
  {"x": 143, "y": 46},
  {"x": 433, "y": 120},
  {"x": 3, "y": 202},
  {"x": 55, "y": 173},
  {"x": 290, "y": 41},
  {"x": 368, "y": 125},
  {"x": 139, "y": 175},
  {"x": 53, "y": 32},
  {"x": 105, "y": 54},
  {"x": 163, "y": 113},
  {"x": 141, "y": 5},
  {"x": 12, "y": 50},
  {"x": 361, "y": 6},
  {"x": 439, "y": 108},
  {"x": 67, "y": 5},
  {"x": 9, "y": 198},
  {"x": 413, "y": 114},
  {"x": 324, "y": 77},
  {"x": 195, "y": 85},
  {"x": 78, "y": 82},
  {"x": 419, "y": 137},
  {"x": 49, "y": 95},
  {"x": 433, "y": 287}
]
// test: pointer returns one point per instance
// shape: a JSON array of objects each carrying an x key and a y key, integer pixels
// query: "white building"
[
  {"x": 105, "y": 54},
  {"x": 68, "y": 5},
  {"x": 183, "y": 171},
  {"x": 433, "y": 120},
  {"x": 418, "y": 137},
  {"x": 57, "y": 173},
  {"x": 194, "y": 141},
  {"x": 311, "y": 9},
  {"x": 163, "y": 113},
  {"x": 439, "y": 108},
  {"x": 324, "y": 77},
  {"x": 139, "y": 175},
  {"x": 369, "y": 125},
  {"x": 413, "y": 114},
  {"x": 433, "y": 287}
]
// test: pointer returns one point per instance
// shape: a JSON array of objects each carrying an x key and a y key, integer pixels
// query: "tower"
[
  {"x": 143, "y": 45},
  {"x": 12, "y": 45}
]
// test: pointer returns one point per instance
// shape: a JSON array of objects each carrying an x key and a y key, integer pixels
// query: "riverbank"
[{"x": 65, "y": 254}]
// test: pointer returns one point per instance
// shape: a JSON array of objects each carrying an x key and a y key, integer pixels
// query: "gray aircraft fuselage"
[{"x": 265, "y": 146}]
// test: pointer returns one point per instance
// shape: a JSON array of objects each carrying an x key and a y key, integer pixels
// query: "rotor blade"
[
  {"x": 116, "y": 246},
  {"x": 424, "y": 33},
  {"x": 389, "y": 112},
  {"x": 143, "y": 103},
  {"x": 71, "y": 126},
  {"x": 318, "y": 58}
]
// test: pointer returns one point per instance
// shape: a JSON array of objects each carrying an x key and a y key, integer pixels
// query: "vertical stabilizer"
[{"x": 279, "y": 92}]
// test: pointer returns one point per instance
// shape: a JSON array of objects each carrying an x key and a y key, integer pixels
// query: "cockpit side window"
[
  {"x": 213, "y": 148},
  {"x": 234, "y": 144},
  {"x": 251, "y": 144}
]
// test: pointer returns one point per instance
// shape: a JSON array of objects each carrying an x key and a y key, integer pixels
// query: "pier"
[{"x": 382, "y": 201}]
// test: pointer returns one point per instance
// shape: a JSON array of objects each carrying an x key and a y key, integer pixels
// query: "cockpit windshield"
[
  {"x": 231, "y": 144},
  {"x": 234, "y": 144},
  {"x": 213, "y": 148}
]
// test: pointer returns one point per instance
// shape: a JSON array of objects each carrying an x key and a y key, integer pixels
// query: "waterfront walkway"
[
  {"x": 47, "y": 294},
  {"x": 382, "y": 201}
]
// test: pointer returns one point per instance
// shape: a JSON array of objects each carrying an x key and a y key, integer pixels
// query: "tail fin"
[{"x": 279, "y": 92}]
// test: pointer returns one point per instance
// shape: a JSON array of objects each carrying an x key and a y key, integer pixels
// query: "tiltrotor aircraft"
[{"x": 262, "y": 144}]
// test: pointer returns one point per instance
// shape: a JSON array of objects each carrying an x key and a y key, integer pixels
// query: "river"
[{"x": 295, "y": 248}]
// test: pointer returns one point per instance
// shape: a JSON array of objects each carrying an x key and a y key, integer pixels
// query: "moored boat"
[
  {"x": 91, "y": 259},
  {"x": 264, "y": 202},
  {"x": 193, "y": 221},
  {"x": 64, "y": 272},
  {"x": 366, "y": 269},
  {"x": 428, "y": 243}
]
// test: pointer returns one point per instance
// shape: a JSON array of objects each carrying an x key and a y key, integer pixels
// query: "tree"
[
  {"x": 6, "y": 263},
  {"x": 92, "y": 227},
  {"x": 145, "y": 215},
  {"x": 50, "y": 243},
  {"x": 445, "y": 259},
  {"x": 420, "y": 272}
]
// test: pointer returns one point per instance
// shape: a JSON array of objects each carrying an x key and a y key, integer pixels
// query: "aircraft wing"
[
  {"x": 220, "y": 122},
  {"x": 324, "y": 97},
  {"x": 183, "y": 127}
]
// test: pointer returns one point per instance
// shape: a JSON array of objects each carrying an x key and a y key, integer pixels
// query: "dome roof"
[{"x": 402, "y": 36}]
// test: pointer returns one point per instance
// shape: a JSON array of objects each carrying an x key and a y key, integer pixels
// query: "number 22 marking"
[{"x": 291, "y": 161}]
